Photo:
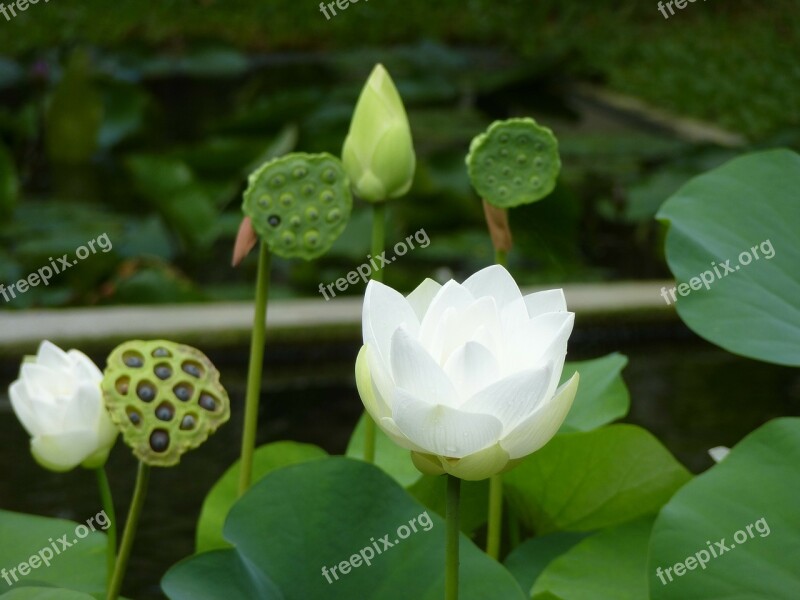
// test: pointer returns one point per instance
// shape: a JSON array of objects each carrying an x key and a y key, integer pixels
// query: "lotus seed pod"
[
  {"x": 299, "y": 204},
  {"x": 166, "y": 398},
  {"x": 514, "y": 162}
]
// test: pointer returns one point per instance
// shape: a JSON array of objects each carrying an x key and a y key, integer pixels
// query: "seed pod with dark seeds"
[
  {"x": 166, "y": 398},
  {"x": 514, "y": 162},
  {"x": 299, "y": 204}
]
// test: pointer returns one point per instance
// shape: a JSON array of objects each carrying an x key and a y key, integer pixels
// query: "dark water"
[{"x": 690, "y": 394}]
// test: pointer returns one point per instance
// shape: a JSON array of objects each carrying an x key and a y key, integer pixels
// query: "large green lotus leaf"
[
  {"x": 299, "y": 519},
  {"x": 43, "y": 593},
  {"x": 226, "y": 491},
  {"x": 609, "y": 564},
  {"x": 390, "y": 457},
  {"x": 81, "y": 566},
  {"x": 756, "y": 485},
  {"x": 747, "y": 206},
  {"x": 589, "y": 480},
  {"x": 602, "y": 395},
  {"x": 528, "y": 560}
]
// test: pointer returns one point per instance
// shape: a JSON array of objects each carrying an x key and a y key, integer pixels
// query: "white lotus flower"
[
  {"x": 465, "y": 375},
  {"x": 58, "y": 400}
]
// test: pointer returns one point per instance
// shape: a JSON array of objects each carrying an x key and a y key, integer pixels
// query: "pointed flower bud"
[{"x": 378, "y": 153}]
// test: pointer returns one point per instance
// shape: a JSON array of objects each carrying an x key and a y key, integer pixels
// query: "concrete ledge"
[{"x": 229, "y": 324}]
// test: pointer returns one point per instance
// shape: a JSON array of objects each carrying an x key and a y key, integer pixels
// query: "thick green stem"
[
  {"x": 137, "y": 503},
  {"x": 453, "y": 532},
  {"x": 495, "y": 527},
  {"x": 378, "y": 242},
  {"x": 111, "y": 516},
  {"x": 254, "y": 371},
  {"x": 378, "y": 235}
]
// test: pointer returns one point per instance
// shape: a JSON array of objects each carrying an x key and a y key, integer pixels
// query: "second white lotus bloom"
[
  {"x": 465, "y": 376},
  {"x": 58, "y": 400}
]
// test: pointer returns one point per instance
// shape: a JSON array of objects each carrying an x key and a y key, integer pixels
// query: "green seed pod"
[
  {"x": 514, "y": 162},
  {"x": 299, "y": 204},
  {"x": 166, "y": 398}
]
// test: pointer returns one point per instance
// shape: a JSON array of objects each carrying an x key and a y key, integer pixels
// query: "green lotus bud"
[
  {"x": 378, "y": 153},
  {"x": 166, "y": 399}
]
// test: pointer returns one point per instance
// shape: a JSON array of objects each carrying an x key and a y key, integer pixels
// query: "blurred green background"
[{"x": 142, "y": 121}]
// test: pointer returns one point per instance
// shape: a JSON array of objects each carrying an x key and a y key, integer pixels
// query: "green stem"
[
  {"x": 494, "y": 531},
  {"x": 111, "y": 516},
  {"x": 378, "y": 235},
  {"x": 378, "y": 243},
  {"x": 137, "y": 503},
  {"x": 453, "y": 532},
  {"x": 501, "y": 257},
  {"x": 254, "y": 371}
]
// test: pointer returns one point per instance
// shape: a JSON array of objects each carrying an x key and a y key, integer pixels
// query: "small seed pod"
[
  {"x": 299, "y": 204},
  {"x": 166, "y": 398},
  {"x": 514, "y": 162}
]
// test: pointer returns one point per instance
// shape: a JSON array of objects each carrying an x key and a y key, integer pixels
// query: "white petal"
[
  {"x": 391, "y": 429},
  {"x": 451, "y": 297},
  {"x": 23, "y": 407},
  {"x": 537, "y": 429},
  {"x": 83, "y": 367},
  {"x": 496, "y": 282},
  {"x": 547, "y": 301},
  {"x": 420, "y": 299},
  {"x": 83, "y": 409},
  {"x": 415, "y": 371},
  {"x": 540, "y": 340},
  {"x": 373, "y": 401},
  {"x": 471, "y": 368},
  {"x": 64, "y": 451},
  {"x": 384, "y": 311},
  {"x": 46, "y": 384},
  {"x": 442, "y": 430},
  {"x": 50, "y": 355},
  {"x": 513, "y": 398}
]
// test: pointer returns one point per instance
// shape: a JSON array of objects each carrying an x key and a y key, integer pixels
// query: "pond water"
[{"x": 690, "y": 394}]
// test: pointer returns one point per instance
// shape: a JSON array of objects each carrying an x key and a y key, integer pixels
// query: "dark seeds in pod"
[
  {"x": 163, "y": 371},
  {"x": 134, "y": 416},
  {"x": 133, "y": 360},
  {"x": 165, "y": 412},
  {"x": 193, "y": 369},
  {"x": 161, "y": 353},
  {"x": 146, "y": 391},
  {"x": 274, "y": 220},
  {"x": 183, "y": 391},
  {"x": 208, "y": 402},
  {"x": 159, "y": 440},
  {"x": 188, "y": 422}
]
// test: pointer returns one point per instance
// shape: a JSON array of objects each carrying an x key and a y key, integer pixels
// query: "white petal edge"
[
  {"x": 471, "y": 368},
  {"x": 415, "y": 371},
  {"x": 494, "y": 281},
  {"x": 384, "y": 311},
  {"x": 420, "y": 299},
  {"x": 538, "y": 428},
  {"x": 442, "y": 430},
  {"x": 545, "y": 301}
]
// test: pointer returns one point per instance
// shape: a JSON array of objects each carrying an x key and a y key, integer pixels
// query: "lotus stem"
[
  {"x": 111, "y": 533},
  {"x": 453, "y": 533}
]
